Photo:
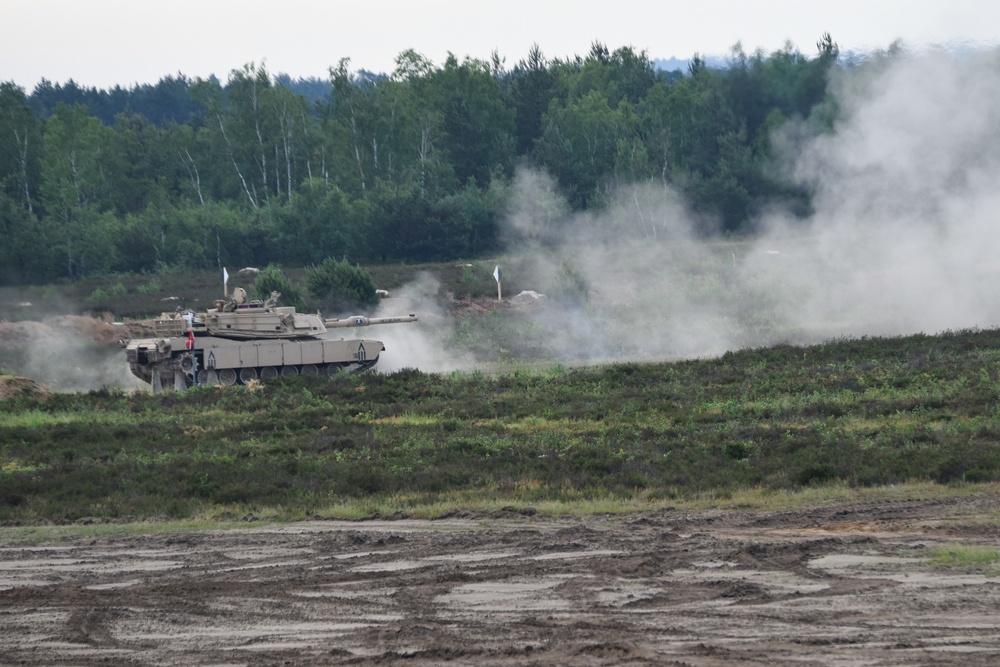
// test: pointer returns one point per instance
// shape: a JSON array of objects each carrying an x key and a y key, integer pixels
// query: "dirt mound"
[
  {"x": 101, "y": 331},
  {"x": 11, "y": 386},
  {"x": 468, "y": 307}
]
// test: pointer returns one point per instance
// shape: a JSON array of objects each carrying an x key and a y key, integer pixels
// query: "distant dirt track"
[{"x": 844, "y": 585}]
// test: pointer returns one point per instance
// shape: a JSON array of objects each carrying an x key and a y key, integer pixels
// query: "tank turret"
[{"x": 239, "y": 341}]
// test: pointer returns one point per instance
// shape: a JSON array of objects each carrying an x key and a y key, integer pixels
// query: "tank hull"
[{"x": 178, "y": 362}]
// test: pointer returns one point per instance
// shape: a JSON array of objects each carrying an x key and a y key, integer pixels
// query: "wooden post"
[{"x": 499, "y": 278}]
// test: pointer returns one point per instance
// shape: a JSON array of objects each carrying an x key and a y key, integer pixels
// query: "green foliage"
[
  {"x": 968, "y": 556},
  {"x": 531, "y": 91},
  {"x": 102, "y": 295},
  {"x": 851, "y": 413},
  {"x": 478, "y": 127},
  {"x": 409, "y": 224},
  {"x": 415, "y": 166},
  {"x": 341, "y": 286},
  {"x": 580, "y": 141},
  {"x": 320, "y": 221},
  {"x": 272, "y": 279}
]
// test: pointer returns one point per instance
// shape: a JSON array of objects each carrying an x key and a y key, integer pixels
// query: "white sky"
[{"x": 104, "y": 43}]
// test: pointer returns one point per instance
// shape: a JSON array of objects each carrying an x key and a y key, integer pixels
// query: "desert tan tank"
[{"x": 239, "y": 341}]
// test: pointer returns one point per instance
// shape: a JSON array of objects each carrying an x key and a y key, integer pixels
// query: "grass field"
[{"x": 840, "y": 417}]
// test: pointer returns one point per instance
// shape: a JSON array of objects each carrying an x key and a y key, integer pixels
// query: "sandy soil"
[
  {"x": 847, "y": 585},
  {"x": 11, "y": 386}
]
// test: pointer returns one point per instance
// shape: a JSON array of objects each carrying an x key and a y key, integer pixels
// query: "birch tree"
[{"x": 20, "y": 146}]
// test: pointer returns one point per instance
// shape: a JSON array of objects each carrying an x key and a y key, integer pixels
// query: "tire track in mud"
[{"x": 850, "y": 584}]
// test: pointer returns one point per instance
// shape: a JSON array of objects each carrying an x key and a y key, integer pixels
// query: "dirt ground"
[{"x": 845, "y": 585}]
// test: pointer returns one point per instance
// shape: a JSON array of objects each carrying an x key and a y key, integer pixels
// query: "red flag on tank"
[{"x": 190, "y": 340}]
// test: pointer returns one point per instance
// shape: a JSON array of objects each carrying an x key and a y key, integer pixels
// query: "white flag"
[
  {"x": 497, "y": 274},
  {"x": 225, "y": 276}
]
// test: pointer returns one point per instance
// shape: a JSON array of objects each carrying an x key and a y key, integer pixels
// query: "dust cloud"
[
  {"x": 903, "y": 237},
  {"x": 426, "y": 344},
  {"x": 67, "y": 353}
]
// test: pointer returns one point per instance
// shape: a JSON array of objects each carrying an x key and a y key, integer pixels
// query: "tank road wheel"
[
  {"x": 227, "y": 376},
  {"x": 333, "y": 370},
  {"x": 247, "y": 374},
  {"x": 208, "y": 376},
  {"x": 310, "y": 369},
  {"x": 268, "y": 372},
  {"x": 289, "y": 370}
]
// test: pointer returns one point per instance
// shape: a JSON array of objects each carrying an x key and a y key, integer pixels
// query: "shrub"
[
  {"x": 100, "y": 294},
  {"x": 341, "y": 286},
  {"x": 469, "y": 276},
  {"x": 272, "y": 279}
]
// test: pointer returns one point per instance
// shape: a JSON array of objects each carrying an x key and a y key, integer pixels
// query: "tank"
[{"x": 239, "y": 341}]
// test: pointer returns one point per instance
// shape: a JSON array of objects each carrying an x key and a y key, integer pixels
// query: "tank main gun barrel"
[{"x": 362, "y": 321}]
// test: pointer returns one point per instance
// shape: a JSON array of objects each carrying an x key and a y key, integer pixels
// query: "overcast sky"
[{"x": 104, "y": 43}]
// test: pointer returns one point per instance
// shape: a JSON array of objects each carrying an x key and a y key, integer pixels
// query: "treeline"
[{"x": 413, "y": 166}]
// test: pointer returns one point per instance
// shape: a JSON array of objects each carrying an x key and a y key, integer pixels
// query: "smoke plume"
[
  {"x": 427, "y": 344},
  {"x": 903, "y": 237}
]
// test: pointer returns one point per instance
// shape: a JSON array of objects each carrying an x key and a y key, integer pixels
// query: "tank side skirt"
[
  {"x": 167, "y": 363},
  {"x": 221, "y": 353}
]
